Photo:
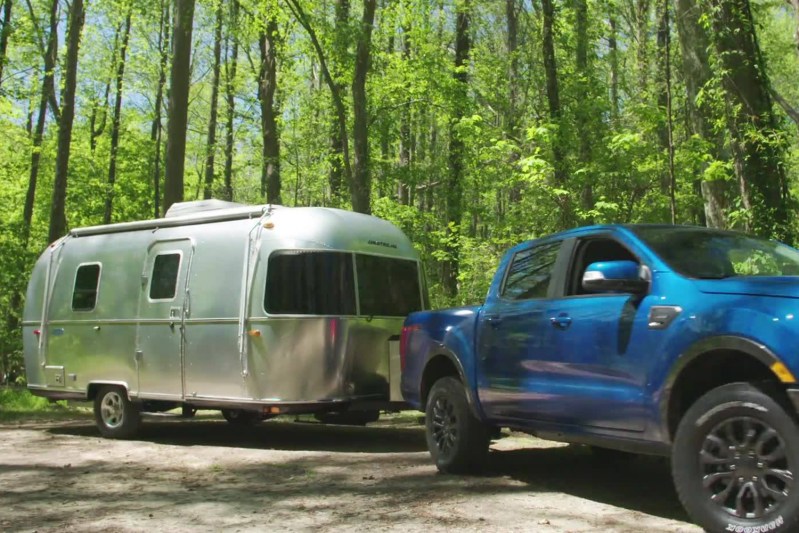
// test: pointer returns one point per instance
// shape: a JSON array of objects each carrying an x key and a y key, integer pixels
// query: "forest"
[{"x": 472, "y": 125}]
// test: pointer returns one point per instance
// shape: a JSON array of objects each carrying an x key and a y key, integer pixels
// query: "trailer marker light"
[
  {"x": 37, "y": 332},
  {"x": 254, "y": 333},
  {"x": 269, "y": 225}
]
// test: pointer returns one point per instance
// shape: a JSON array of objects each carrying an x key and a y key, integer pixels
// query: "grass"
[{"x": 18, "y": 403}]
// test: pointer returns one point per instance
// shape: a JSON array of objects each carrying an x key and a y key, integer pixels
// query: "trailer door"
[{"x": 163, "y": 309}]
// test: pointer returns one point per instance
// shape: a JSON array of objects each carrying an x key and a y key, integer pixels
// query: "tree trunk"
[
  {"x": 157, "y": 128},
  {"x": 94, "y": 130},
  {"x": 757, "y": 155},
  {"x": 361, "y": 184},
  {"x": 335, "y": 92},
  {"x": 267, "y": 84},
  {"x": 340, "y": 44},
  {"x": 179, "y": 80},
  {"x": 642, "y": 46},
  {"x": 512, "y": 119},
  {"x": 405, "y": 128},
  {"x": 38, "y": 133},
  {"x": 669, "y": 184},
  {"x": 112, "y": 165},
  {"x": 795, "y": 5},
  {"x": 694, "y": 43},
  {"x": 553, "y": 99},
  {"x": 230, "y": 94},
  {"x": 613, "y": 53},
  {"x": 583, "y": 111},
  {"x": 5, "y": 32},
  {"x": 210, "y": 145},
  {"x": 58, "y": 220},
  {"x": 457, "y": 148}
]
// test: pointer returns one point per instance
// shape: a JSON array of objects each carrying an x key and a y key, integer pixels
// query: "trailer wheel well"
[
  {"x": 438, "y": 367},
  {"x": 91, "y": 391},
  {"x": 714, "y": 369}
]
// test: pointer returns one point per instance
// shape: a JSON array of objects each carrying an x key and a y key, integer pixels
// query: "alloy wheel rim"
[
  {"x": 745, "y": 467},
  {"x": 111, "y": 410},
  {"x": 445, "y": 425}
]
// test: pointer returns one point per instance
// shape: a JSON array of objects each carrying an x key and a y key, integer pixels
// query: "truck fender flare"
[
  {"x": 750, "y": 347},
  {"x": 442, "y": 351}
]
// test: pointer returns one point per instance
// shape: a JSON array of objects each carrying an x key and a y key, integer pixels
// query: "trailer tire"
[
  {"x": 242, "y": 417},
  {"x": 458, "y": 442},
  {"x": 116, "y": 416}
]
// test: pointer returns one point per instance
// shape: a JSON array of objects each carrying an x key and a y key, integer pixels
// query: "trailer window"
[
  {"x": 387, "y": 286},
  {"x": 310, "y": 283},
  {"x": 87, "y": 281},
  {"x": 165, "y": 276}
]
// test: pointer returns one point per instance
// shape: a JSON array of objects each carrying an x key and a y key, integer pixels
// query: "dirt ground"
[{"x": 205, "y": 475}]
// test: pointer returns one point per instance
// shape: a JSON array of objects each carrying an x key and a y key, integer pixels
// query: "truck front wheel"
[
  {"x": 733, "y": 460},
  {"x": 458, "y": 442},
  {"x": 116, "y": 416}
]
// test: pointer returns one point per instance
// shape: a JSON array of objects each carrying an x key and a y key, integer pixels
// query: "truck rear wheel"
[
  {"x": 458, "y": 442},
  {"x": 116, "y": 416},
  {"x": 733, "y": 460}
]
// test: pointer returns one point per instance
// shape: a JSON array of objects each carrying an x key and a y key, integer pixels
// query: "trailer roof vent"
[{"x": 180, "y": 209}]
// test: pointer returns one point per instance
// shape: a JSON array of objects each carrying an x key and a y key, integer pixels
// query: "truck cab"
[{"x": 646, "y": 339}]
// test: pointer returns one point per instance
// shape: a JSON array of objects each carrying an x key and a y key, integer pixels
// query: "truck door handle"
[
  {"x": 493, "y": 320},
  {"x": 562, "y": 321}
]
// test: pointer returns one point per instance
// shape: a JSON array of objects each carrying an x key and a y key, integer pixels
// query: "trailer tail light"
[
  {"x": 404, "y": 339},
  {"x": 37, "y": 332}
]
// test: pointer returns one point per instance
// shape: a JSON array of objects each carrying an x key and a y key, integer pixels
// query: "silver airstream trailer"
[{"x": 255, "y": 311}]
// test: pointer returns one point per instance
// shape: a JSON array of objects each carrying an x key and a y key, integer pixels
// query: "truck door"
[{"x": 163, "y": 309}]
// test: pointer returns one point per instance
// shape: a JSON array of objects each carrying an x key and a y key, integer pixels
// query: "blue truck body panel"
[{"x": 599, "y": 364}]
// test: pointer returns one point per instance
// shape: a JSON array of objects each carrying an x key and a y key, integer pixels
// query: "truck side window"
[
  {"x": 530, "y": 272},
  {"x": 310, "y": 283},
  {"x": 165, "y": 276},
  {"x": 592, "y": 251},
  {"x": 87, "y": 281}
]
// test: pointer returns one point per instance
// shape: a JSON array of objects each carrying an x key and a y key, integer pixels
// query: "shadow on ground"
[{"x": 642, "y": 484}]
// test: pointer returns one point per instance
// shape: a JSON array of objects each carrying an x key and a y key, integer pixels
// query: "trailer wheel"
[
  {"x": 241, "y": 417},
  {"x": 116, "y": 416},
  {"x": 458, "y": 442}
]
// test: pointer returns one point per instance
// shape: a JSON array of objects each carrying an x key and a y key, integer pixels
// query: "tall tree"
[
  {"x": 231, "y": 64},
  {"x": 613, "y": 58},
  {"x": 339, "y": 59},
  {"x": 5, "y": 33},
  {"x": 512, "y": 118},
  {"x": 156, "y": 129},
  {"x": 756, "y": 150},
  {"x": 669, "y": 183},
  {"x": 553, "y": 99},
  {"x": 115, "y": 121},
  {"x": 406, "y": 139},
  {"x": 178, "y": 110},
  {"x": 50, "y": 55},
  {"x": 583, "y": 110},
  {"x": 267, "y": 85},
  {"x": 210, "y": 144},
  {"x": 58, "y": 219},
  {"x": 795, "y": 5},
  {"x": 361, "y": 184},
  {"x": 95, "y": 129},
  {"x": 457, "y": 152}
]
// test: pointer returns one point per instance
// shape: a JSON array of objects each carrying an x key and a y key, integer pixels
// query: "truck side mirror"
[{"x": 614, "y": 276}]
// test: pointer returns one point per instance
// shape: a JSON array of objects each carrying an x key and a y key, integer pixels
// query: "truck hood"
[{"x": 781, "y": 287}]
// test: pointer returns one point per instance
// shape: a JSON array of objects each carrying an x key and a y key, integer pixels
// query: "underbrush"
[{"x": 17, "y": 403}]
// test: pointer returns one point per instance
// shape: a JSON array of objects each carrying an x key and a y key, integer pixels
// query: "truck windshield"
[{"x": 715, "y": 254}]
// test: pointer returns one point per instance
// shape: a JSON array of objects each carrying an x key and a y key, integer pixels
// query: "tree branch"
[{"x": 791, "y": 111}]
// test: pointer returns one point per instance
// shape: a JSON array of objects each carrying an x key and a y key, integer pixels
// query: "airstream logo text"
[{"x": 381, "y": 243}]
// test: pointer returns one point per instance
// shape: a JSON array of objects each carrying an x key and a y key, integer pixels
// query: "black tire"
[
  {"x": 242, "y": 417},
  {"x": 733, "y": 460},
  {"x": 458, "y": 442},
  {"x": 348, "y": 418},
  {"x": 116, "y": 416}
]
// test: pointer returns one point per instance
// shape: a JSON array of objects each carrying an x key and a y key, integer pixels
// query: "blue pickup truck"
[{"x": 669, "y": 340}]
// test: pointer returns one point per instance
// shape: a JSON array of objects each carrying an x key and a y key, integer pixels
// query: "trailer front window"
[
  {"x": 388, "y": 286},
  {"x": 87, "y": 281},
  {"x": 310, "y": 283}
]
